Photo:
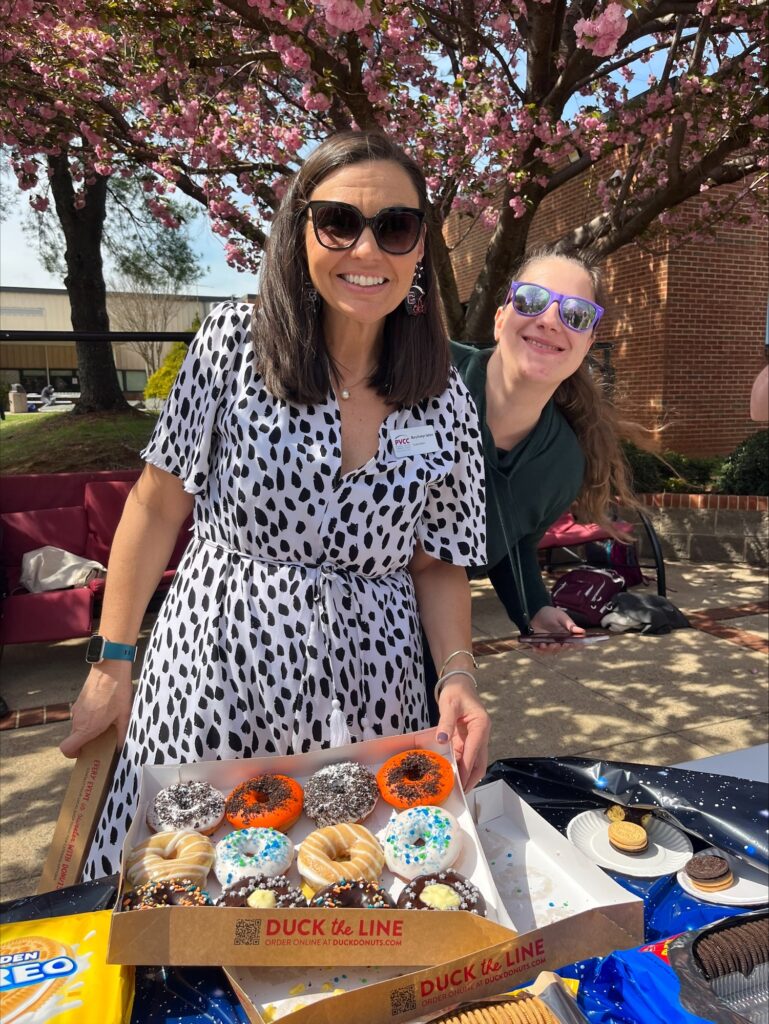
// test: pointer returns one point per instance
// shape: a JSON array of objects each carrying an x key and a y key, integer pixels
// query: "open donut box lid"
[{"x": 211, "y": 936}]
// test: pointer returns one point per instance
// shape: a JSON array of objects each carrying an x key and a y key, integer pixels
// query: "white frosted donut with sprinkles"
[
  {"x": 421, "y": 840},
  {"x": 252, "y": 851},
  {"x": 195, "y": 805}
]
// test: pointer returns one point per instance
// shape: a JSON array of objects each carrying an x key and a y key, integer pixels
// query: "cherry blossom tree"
[{"x": 503, "y": 102}]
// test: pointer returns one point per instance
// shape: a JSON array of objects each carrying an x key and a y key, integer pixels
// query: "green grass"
[{"x": 59, "y": 442}]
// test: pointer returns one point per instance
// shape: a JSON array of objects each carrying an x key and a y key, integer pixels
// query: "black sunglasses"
[{"x": 338, "y": 226}]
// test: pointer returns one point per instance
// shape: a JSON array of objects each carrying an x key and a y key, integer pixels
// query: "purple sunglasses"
[{"x": 533, "y": 299}]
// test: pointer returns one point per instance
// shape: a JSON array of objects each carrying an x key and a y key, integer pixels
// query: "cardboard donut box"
[{"x": 548, "y": 905}]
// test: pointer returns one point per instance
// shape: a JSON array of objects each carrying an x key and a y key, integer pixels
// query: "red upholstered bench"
[
  {"x": 75, "y": 511},
  {"x": 567, "y": 533}
]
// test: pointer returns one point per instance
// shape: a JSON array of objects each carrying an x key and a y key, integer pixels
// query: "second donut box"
[{"x": 307, "y": 936}]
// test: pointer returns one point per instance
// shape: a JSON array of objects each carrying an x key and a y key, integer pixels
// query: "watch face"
[{"x": 94, "y": 652}]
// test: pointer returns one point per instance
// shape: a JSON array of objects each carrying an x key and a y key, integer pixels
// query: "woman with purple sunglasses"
[{"x": 551, "y": 438}]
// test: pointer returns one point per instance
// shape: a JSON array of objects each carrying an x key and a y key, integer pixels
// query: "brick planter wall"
[{"x": 710, "y": 527}]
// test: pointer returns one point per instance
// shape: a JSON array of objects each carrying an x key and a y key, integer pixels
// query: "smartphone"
[{"x": 537, "y": 639}]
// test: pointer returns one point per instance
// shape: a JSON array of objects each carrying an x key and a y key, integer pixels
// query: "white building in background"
[{"x": 35, "y": 363}]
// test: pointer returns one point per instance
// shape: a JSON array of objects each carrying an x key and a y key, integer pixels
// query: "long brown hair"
[
  {"x": 291, "y": 351},
  {"x": 584, "y": 401}
]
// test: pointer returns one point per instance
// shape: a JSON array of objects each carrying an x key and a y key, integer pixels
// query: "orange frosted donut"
[
  {"x": 415, "y": 777},
  {"x": 266, "y": 801}
]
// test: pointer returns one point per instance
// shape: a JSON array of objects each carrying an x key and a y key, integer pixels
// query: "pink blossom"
[
  {"x": 601, "y": 34},
  {"x": 314, "y": 100}
]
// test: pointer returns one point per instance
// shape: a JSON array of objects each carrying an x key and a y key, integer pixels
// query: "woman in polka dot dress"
[{"x": 332, "y": 460}]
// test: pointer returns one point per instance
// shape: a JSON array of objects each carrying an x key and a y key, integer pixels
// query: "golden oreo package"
[{"x": 56, "y": 969}]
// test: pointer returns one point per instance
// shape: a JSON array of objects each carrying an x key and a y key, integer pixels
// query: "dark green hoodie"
[{"x": 532, "y": 485}]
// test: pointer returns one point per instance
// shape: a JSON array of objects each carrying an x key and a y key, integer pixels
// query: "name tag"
[{"x": 416, "y": 441}]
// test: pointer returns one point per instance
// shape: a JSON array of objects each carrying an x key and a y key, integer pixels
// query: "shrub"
[
  {"x": 162, "y": 380},
  {"x": 746, "y": 470},
  {"x": 698, "y": 470},
  {"x": 646, "y": 470}
]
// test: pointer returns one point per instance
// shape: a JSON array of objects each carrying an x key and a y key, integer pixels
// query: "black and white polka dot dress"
[{"x": 294, "y": 590}]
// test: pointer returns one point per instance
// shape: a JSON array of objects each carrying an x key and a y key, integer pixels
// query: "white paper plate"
[
  {"x": 668, "y": 849},
  {"x": 750, "y": 887}
]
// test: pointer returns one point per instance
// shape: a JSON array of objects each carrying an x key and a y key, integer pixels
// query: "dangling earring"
[
  {"x": 415, "y": 299},
  {"x": 311, "y": 297}
]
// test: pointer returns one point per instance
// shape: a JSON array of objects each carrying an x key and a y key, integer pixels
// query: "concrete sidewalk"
[{"x": 660, "y": 700}]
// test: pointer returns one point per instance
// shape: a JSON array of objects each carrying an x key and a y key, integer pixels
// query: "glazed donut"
[
  {"x": 262, "y": 893},
  {"x": 266, "y": 801},
  {"x": 182, "y": 854},
  {"x": 340, "y": 792},
  {"x": 359, "y": 894},
  {"x": 252, "y": 851},
  {"x": 338, "y": 852},
  {"x": 422, "y": 840},
  {"x": 166, "y": 892},
  {"x": 195, "y": 805},
  {"x": 415, "y": 777},
  {"x": 442, "y": 890}
]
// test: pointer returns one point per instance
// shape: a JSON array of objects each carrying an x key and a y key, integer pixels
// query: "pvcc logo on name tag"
[{"x": 415, "y": 441}]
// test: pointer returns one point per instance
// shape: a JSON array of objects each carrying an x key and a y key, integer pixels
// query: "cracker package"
[{"x": 55, "y": 969}]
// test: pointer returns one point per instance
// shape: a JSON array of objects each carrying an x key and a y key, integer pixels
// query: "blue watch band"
[{"x": 118, "y": 652}]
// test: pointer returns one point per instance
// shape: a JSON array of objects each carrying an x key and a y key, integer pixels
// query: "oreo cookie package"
[
  {"x": 717, "y": 975},
  {"x": 724, "y": 969}
]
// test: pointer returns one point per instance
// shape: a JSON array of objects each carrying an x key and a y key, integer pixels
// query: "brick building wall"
[{"x": 687, "y": 325}]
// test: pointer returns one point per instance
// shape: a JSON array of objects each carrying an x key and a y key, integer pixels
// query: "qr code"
[
  {"x": 403, "y": 1000},
  {"x": 247, "y": 933}
]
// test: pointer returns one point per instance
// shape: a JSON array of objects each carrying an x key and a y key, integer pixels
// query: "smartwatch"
[{"x": 100, "y": 649}]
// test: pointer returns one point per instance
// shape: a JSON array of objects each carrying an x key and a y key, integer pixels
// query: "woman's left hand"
[
  {"x": 553, "y": 620},
  {"x": 465, "y": 723}
]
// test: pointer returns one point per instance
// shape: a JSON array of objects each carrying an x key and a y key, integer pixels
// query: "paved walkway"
[{"x": 660, "y": 700}]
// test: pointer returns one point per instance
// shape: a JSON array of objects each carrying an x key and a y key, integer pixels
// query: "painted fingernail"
[{"x": 442, "y": 737}]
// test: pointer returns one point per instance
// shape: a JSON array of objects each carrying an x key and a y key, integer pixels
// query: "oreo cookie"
[{"x": 709, "y": 872}]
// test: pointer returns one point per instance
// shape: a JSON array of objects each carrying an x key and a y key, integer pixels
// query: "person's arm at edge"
[
  {"x": 759, "y": 397},
  {"x": 443, "y": 598},
  {"x": 154, "y": 512}
]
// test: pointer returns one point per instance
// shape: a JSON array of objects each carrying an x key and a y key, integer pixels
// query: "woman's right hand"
[{"x": 105, "y": 700}]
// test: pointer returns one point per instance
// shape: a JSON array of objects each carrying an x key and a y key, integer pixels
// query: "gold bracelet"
[
  {"x": 454, "y": 672},
  {"x": 453, "y": 655}
]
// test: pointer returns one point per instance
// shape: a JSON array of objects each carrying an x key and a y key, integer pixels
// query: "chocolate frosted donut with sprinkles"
[
  {"x": 340, "y": 792},
  {"x": 166, "y": 892},
  {"x": 262, "y": 893},
  {"x": 359, "y": 894},
  {"x": 442, "y": 890},
  {"x": 195, "y": 805}
]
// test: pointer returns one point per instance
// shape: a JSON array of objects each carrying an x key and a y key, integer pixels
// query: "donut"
[
  {"x": 182, "y": 854},
  {"x": 195, "y": 805},
  {"x": 422, "y": 840},
  {"x": 442, "y": 890},
  {"x": 166, "y": 892},
  {"x": 266, "y": 801},
  {"x": 338, "y": 852},
  {"x": 360, "y": 894},
  {"x": 415, "y": 777},
  {"x": 262, "y": 892},
  {"x": 340, "y": 792},
  {"x": 252, "y": 851}
]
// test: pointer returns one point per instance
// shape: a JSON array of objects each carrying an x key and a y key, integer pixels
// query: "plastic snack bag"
[{"x": 55, "y": 969}]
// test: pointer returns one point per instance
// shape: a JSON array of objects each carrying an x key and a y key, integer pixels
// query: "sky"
[{"x": 20, "y": 266}]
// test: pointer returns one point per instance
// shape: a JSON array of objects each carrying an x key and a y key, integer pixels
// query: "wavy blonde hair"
[{"x": 584, "y": 400}]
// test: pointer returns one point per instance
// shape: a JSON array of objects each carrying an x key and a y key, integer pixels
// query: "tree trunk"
[{"x": 99, "y": 387}]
